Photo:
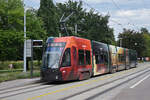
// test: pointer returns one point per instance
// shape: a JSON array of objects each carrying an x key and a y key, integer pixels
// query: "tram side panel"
[
  {"x": 81, "y": 66},
  {"x": 121, "y": 58},
  {"x": 132, "y": 58},
  {"x": 127, "y": 62},
  {"x": 84, "y": 58},
  {"x": 100, "y": 58},
  {"x": 113, "y": 58}
]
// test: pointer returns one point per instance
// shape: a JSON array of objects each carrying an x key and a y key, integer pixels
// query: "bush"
[{"x": 3, "y": 65}]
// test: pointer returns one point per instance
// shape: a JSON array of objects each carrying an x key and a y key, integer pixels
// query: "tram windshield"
[{"x": 52, "y": 55}]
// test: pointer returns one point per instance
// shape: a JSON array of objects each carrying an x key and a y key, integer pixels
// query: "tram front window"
[{"x": 52, "y": 55}]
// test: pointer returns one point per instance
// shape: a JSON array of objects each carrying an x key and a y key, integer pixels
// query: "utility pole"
[
  {"x": 76, "y": 29},
  {"x": 120, "y": 39},
  {"x": 121, "y": 42},
  {"x": 25, "y": 69}
]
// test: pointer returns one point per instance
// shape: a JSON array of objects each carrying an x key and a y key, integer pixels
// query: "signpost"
[{"x": 29, "y": 50}]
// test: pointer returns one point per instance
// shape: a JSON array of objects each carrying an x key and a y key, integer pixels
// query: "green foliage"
[
  {"x": 11, "y": 42},
  {"x": 11, "y": 29},
  {"x": 91, "y": 25},
  {"x": 146, "y": 35},
  {"x": 35, "y": 31},
  {"x": 11, "y": 14},
  {"x": 47, "y": 12},
  {"x": 138, "y": 41},
  {"x": 96, "y": 28},
  {"x": 12, "y": 75},
  {"x": 18, "y": 65},
  {"x": 34, "y": 26},
  {"x": 144, "y": 31},
  {"x": 78, "y": 13}
]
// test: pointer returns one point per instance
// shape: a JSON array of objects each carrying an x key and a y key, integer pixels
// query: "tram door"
[{"x": 74, "y": 62}]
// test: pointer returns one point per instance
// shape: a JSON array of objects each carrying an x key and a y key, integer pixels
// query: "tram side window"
[
  {"x": 66, "y": 60},
  {"x": 88, "y": 58},
  {"x": 99, "y": 58},
  {"x": 102, "y": 58},
  {"x": 121, "y": 58},
  {"x": 81, "y": 57},
  {"x": 105, "y": 58}
]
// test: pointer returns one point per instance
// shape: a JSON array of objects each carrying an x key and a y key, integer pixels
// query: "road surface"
[{"x": 133, "y": 84}]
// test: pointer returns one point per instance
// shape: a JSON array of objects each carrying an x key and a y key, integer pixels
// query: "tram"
[{"x": 75, "y": 58}]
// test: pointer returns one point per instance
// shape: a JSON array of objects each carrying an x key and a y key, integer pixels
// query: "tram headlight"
[
  {"x": 64, "y": 71},
  {"x": 56, "y": 77}
]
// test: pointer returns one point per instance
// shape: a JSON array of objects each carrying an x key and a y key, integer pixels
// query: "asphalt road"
[
  {"x": 130, "y": 84},
  {"x": 139, "y": 90}
]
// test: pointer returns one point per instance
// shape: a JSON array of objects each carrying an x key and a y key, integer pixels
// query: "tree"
[
  {"x": 91, "y": 25},
  {"x": 96, "y": 27},
  {"x": 47, "y": 12},
  {"x": 11, "y": 14},
  {"x": 35, "y": 31},
  {"x": 146, "y": 36},
  {"x": 132, "y": 40},
  {"x": 144, "y": 31},
  {"x": 11, "y": 29},
  {"x": 78, "y": 12}
]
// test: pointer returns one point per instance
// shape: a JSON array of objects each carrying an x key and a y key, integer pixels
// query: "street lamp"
[
  {"x": 24, "y": 59},
  {"x": 25, "y": 69}
]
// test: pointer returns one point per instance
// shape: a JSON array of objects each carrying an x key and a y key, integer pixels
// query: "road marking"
[
  {"x": 139, "y": 81},
  {"x": 82, "y": 84}
]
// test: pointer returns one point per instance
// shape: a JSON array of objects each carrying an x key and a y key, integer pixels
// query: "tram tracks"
[
  {"x": 27, "y": 89},
  {"x": 144, "y": 71},
  {"x": 19, "y": 88},
  {"x": 36, "y": 87},
  {"x": 24, "y": 89},
  {"x": 118, "y": 85}
]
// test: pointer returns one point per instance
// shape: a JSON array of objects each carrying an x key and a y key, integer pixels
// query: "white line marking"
[{"x": 140, "y": 81}]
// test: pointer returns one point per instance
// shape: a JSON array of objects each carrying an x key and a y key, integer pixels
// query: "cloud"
[
  {"x": 111, "y": 1},
  {"x": 131, "y": 19},
  {"x": 132, "y": 14},
  {"x": 138, "y": 16}
]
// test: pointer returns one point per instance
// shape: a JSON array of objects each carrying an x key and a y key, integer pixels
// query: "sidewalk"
[{"x": 18, "y": 83}]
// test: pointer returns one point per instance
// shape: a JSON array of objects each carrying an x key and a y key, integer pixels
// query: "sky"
[{"x": 130, "y": 14}]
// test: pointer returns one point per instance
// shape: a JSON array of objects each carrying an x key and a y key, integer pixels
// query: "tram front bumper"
[{"x": 50, "y": 75}]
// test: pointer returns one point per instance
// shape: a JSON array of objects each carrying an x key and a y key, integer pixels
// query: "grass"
[
  {"x": 10, "y": 70},
  {"x": 7, "y": 74},
  {"x": 13, "y": 75},
  {"x": 17, "y": 64}
]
